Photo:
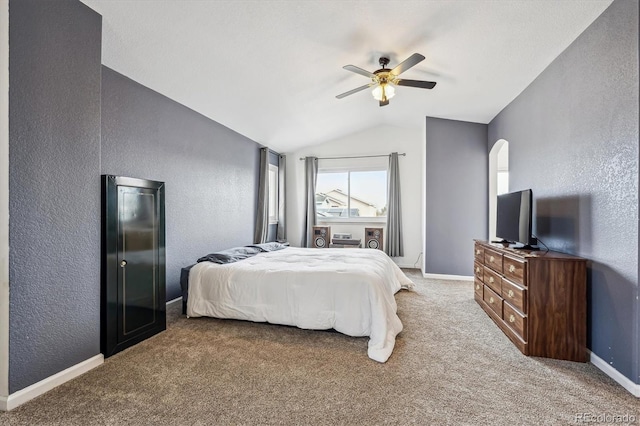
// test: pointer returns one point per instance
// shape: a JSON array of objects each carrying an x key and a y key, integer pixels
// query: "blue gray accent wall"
[
  {"x": 61, "y": 102},
  {"x": 456, "y": 194},
  {"x": 211, "y": 172},
  {"x": 54, "y": 188},
  {"x": 573, "y": 139}
]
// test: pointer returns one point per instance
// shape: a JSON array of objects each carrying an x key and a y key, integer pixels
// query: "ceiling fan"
[{"x": 385, "y": 79}]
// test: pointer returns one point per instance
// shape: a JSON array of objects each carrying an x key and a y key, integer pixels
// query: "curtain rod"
[
  {"x": 271, "y": 151},
  {"x": 356, "y": 156}
]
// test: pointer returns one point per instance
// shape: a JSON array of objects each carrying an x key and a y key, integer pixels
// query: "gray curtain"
[
  {"x": 262, "y": 216},
  {"x": 310, "y": 178},
  {"x": 281, "y": 235},
  {"x": 393, "y": 245}
]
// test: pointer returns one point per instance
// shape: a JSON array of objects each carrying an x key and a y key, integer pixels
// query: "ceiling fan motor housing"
[{"x": 383, "y": 75}]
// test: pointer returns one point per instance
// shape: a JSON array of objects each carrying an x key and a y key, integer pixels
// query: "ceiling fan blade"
[
  {"x": 408, "y": 63},
  {"x": 351, "y": 92},
  {"x": 383, "y": 103},
  {"x": 417, "y": 83},
  {"x": 360, "y": 71}
]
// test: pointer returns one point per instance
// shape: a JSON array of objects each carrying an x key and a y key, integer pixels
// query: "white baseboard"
[
  {"x": 607, "y": 369},
  {"x": 18, "y": 398},
  {"x": 177, "y": 299},
  {"x": 407, "y": 266},
  {"x": 448, "y": 277}
]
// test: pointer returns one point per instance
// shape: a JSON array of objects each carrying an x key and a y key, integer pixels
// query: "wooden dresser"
[{"x": 537, "y": 298}]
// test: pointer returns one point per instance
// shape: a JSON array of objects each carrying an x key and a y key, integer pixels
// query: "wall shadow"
[
  {"x": 611, "y": 318},
  {"x": 563, "y": 223}
]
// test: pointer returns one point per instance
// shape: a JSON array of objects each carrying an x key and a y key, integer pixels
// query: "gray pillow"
[
  {"x": 269, "y": 246},
  {"x": 230, "y": 255}
]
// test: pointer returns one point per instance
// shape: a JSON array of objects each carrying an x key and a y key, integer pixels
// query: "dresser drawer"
[
  {"x": 493, "y": 280},
  {"x": 478, "y": 253},
  {"x": 493, "y": 259},
  {"x": 493, "y": 300},
  {"x": 477, "y": 287},
  {"x": 478, "y": 270},
  {"x": 514, "y": 294},
  {"x": 515, "y": 270},
  {"x": 515, "y": 320}
]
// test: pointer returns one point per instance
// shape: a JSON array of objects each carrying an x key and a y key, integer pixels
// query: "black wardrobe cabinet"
[{"x": 133, "y": 262}]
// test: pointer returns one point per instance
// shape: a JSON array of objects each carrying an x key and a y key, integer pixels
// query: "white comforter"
[{"x": 349, "y": 290}]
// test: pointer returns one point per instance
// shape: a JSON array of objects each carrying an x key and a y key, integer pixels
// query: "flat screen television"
[{"x": 514, "y": 217}]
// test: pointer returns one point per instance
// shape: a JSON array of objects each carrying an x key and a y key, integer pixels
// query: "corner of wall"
[
  {"x": 423, "y": 212},
  {"x": 637, "y": 349},
  {"x": 4, "y": 198}
]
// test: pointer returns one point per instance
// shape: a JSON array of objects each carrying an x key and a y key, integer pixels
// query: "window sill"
[{"x": 352, "y": 220}]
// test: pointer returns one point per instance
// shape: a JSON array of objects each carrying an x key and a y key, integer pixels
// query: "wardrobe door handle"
[{"x": 123, "y": 263}]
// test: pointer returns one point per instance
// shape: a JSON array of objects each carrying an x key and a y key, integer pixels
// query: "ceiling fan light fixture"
[
  {"x": 390, "y": 90},
  {"x": 385, "y": 80},
  {"x": 383, "y": 91}
]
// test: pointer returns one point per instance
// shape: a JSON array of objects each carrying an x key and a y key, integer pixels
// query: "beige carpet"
[{"x": 451, "y": 365}]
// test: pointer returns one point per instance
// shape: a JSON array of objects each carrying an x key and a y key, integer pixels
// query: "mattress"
[{"x": 351, "y": 291}]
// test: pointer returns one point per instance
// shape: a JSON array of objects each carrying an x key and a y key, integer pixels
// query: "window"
[
  {"x": 351, "y": 194},
  {"x": 273, "y": 194}
]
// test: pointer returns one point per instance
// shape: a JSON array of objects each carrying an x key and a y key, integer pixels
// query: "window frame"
[
  {"x": 273, "y": 186},
  {"x": 349, "y": 219}
]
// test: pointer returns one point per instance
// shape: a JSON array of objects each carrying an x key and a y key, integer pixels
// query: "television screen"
[{"x": 513, "y": 222}]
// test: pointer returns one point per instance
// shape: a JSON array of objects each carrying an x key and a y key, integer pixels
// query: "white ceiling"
[{"x": 270, "y": 69}]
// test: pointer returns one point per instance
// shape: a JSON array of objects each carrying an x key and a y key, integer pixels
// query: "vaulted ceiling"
[{"x": 271, "y": 69}]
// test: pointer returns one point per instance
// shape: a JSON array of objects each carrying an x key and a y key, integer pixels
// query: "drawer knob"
[
  {"x": 477, "y": 251},
  {"x": 491, "y": 300},
  {"x": 491, "y": 258},
  {"x": 512, "y": 318},
  {"x": 512, "y": 268},
  {"x": 477, "y": 287},
  {"x": 477, "y": 269},
  {"x": 491, "y": 280},
  {"x": 510, "y": 293}
]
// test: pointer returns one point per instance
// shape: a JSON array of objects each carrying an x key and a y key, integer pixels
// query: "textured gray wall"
[
  {"x": 211, "y": 172},
  {"x": 456, "y": 194},
  {"x": 54, "y": 188},
  {"x": 573, "y": 138}
]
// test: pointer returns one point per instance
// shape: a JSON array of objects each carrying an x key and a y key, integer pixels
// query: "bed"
[{"x": 349, "y": 290}]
